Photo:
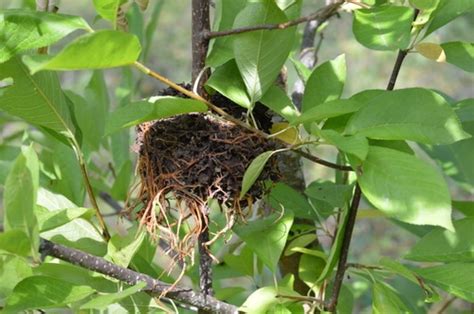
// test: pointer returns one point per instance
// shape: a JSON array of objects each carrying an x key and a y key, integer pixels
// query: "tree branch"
[
  {"x": 200, "y": 43},
  {"x": 322, "y": 161},
  {"x": 321, "y": 14},
  {"x": 154, "y": 287},
  {"x": 346, "y": 241}
]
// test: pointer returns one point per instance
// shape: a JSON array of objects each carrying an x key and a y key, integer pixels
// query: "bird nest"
[{"x": 185, "y": 161}]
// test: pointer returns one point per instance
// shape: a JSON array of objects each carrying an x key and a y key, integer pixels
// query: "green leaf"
[
  {"x": 405, "y": 188},
  {"x": 15, "y": 241},
  {"x": 98, "y": 50},
  {"x": 455, "y": 278},
  {"x": 328, "y": 109},
  {"x": 13, "y": 269},
  {"x": 107, "y": 9},
  {"x": 78, "y": 233},
  {"x": 277, "y": 100},
  {"x": 303, "y": 72},
  {"x": 446, "y": 246},
  {"x": 119, "y": 190},
  {"x": 465, "y": 207},
  {"x": 447, "y": 11},
  {"x": 284, "y": 195},
  {"x": 408, "y": 114},
  {"x": 221, "y": 48},
  {"x": 356, "y": 145},
  {"x": 460, "y": 54},
  {"x": 336, "y": 248},
  {"x": 424, "y": 4},
  {"x": 310, "y": 268},
  {"x": 325, "y": 83},
  {"x": 264, "y": 299},
  {"x": 253, "y": 171},
  {"x": 155, "y": 108},
  {"x": 226, "y": 80},
  {"x": 19, "y": 198},
  {"x": 300, "y": 243},
  {"x": 384, "y": 27},
  {"x": 22, "y": 30},
  {"x": 244, "y": 262},
  {"x": 260, "y": 55},
  {"x": 48, "y": 220},
  {"x": 121, "y": 250},
  {"x": 102, "y": 301},
  {"x": 35, "y": 98},
  {"x": 267, "y": 236},
  {"x": 44, "y": 292},
  {"x": 386, "y": 300},
  {"x": 455, "y": 159},
  {"x": 335, "y": 194}
]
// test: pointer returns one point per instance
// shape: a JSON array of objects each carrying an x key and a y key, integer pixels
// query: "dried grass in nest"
[{"x": 186, "y": 160}]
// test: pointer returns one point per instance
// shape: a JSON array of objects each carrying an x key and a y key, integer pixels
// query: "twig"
[
  {"x": 154, "y": 287},
  {"x": 363, "y": 266},
  {"x": 200, "y": 43},
  {"x": 318, "y": 15},
  {"x": 398, "y": 63},
  {"x": 322, "y": 161},
  {"x": 300, "y": 298},
  {"x": 346, "y": 241},
  {"x": 446, "y": 303},
  {"x": 205, "y": 264}
]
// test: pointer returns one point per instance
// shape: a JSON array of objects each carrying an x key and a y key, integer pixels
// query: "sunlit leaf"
[
  {"x": 254, "y": 170},
  {"x": 460, "y": 54}
]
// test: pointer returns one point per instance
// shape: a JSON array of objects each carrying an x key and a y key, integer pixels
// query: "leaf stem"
[{"x": 322, "y": 14}]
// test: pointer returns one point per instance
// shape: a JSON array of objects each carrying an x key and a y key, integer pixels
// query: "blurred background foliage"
[{"x": 170, "y": 55}]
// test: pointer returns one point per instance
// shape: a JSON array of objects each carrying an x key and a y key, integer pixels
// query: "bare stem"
[
  {"x": 318, "y": 15},
  {"x": 346, "y": 241},
  {"x": 154, "y": 287}
]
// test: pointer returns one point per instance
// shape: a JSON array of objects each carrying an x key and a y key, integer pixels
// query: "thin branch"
[
  {"x": 322, "y": 161},
  {"x": 154, "y": 287},
  {"x": 321, "y": 14},
  {"x": 200, "y": 43},
  {"x": 363, "y": 266},
  {"x": 446, "y": 303},
  {"x": 398, "y": 63},
  {"x": 346, "y": 241}
]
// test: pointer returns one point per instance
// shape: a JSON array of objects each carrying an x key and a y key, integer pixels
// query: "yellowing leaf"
[
  {"x": 431, "y": 51},
  {"x": 289, "y": 136}
]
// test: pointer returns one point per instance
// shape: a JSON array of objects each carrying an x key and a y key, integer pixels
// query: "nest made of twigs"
[{"x": 186, "y": 160}]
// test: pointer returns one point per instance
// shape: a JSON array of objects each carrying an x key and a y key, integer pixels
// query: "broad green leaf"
[
  {"x": 303, "y": 72},
  {"x": 408, "y": 114},
  {"x": 107, "y": 9},
  {"x": 264, "y": 299},
  {"x": 328, "y": 109},
  {"x": 253, "y": 171},
  {"x": 98, "y": 50},
  {"x": 13, "y": 269},
  {"x": 244, "y": 262},
  {"x": 22, "y": 30},
  {"x": 119, "y": 190},
  {"x": 386, "y": 300},
  {"x": 34, "y": 98},
  {"x": 325, "y": 83},
  {"x": 221, "y": 48},
  {"x": 120, "y": 250},
  {"x": 44, "y": 292},
  {"x": 15, "y": 241},
  {"x": 102, "y": 301},
  {"x": 405, "y": 188},
  {"x": 447, "y": 11},
  {"x": 335, "y": 194},
  {"x": 455, "y": 278},
  {"x": 396, "y": 145},
  {"x": 356, "y": 145},
  {"x": 260, "y": 55},
  {"x": 383, "y": 28},
  {"x": 267, "y": 236},
  {"x": 7, "y": 154},
  {"x": 446, "y": 246},
  {"x": 465, "y": 207},
  {"x": 155, "y": 108},
  {"x": 284, "y": 195},
  {"x": 226, "y": 80},
  {"x": 310, "y": 268},
  {"x": 19, "y": 198},
  {"x": 277, "y": 100},
  {"x": 424, "y": 4},
  {"x": 300, "y": 242},
  {"x": 460, "y": 54},
  {"x": 455, "y": 159},
  {"x": 78, "y": 233},
  {"x": 48, "y": 220}
]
